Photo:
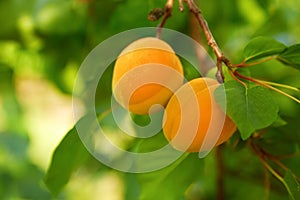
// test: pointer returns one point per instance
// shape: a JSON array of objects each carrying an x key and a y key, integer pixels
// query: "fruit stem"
[{"x": 210, "y": 39}]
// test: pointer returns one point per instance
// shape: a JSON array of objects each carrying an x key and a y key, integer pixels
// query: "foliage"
[
  {"x": 49, "y": 40},
  {"x": 250, "y": 103},
  {"x": 72, "y": 150}
]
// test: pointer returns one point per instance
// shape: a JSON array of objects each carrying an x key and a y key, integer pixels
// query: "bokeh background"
[{"x": 43, "y": 43}]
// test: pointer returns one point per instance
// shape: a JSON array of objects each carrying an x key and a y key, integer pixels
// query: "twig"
[
  {"x": 220, "y": 174},
  {"x": 155, "y": 14},
  {"x": 270, "y": 169},
  {"x": 258, "y": 82},
  {"x": 287, "y": 156},
  {"x": 244, "y": 64},
  {"x": 267, "y": 168},
  {"x": 267, "y": 183},
  {"x": 281, "y": 85},
  {"x": 205, "y": 63},
  {"x": 210, "y": 39},
  {"x": 266, "y": 165},
  {"x": 280, "y": 164},
  {"x": 168, "y": 12},
  {"x": 203, "y": 24},
  {"x": 181, "y": 8},
  {"x": 235, "y": 78}
]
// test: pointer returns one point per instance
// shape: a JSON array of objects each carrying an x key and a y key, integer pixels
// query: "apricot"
[
  {"x": 192, "y": 118},
  {"x": 147, "y": 72}
]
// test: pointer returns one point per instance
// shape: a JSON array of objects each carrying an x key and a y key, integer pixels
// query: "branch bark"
[
  {"x": 205, "y": 62},
  {"x": 220, "y": 174},
  {"x": 221, "y": 58},
  {"x": 210, "y": 39},
  {"x": 168, "y": 11}
]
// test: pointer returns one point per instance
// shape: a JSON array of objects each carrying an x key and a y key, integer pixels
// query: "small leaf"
[
  {"x": 250, "y": 108},
  {"x": 292, "y": 185},
  {"x": 156, "y": 14},
  {"x": 291, "y": 56},
  {"x": 261, "y": 47},
  {"x": 67, "y": 157}
]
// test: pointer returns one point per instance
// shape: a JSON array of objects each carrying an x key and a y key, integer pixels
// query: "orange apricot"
[
  {"x": 146, "y": 73},
  {"x": 193, "y": 121}
]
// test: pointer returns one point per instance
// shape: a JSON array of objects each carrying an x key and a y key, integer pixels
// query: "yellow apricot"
[
  {"x": 193, "y": 121},
  {"x": 146, "y": 73}
]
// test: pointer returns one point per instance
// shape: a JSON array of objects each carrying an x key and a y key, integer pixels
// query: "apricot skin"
[
  {"x": 146, "y": 58},
  {"x": 196, "y": 96}
]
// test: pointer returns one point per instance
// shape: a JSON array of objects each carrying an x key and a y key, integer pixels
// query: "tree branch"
[
  {"x": 203, "y": 24},
  {"x": 168, "y": 11},
  {"x": 210, "y": 39},
  {"x": 220, "y": 174},
  {"x": 181, "y": 8},
  {"x": 205, "y": 62}
]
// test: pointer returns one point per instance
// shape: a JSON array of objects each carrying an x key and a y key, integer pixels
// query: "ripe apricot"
[
  {"x": 192, "y": 116},
  {"x": 146, "y": 73}
]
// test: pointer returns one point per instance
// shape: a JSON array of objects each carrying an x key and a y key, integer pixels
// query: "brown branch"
[
  {"x": 258, "y": 82},
  {"x": 205, "y": 62},
  {"x": 203, "y": 24},
  {"x": 168, "y": 11},
  {"x": 155, "y": 14},
  {"x": 280, "y": 164},
  {"x": 244, "y": 64},
  {"x": 287, "y": 156},
  {"x": 231, "y": 73},
  {"x": 210, "y": 39},
  {"x": 267, "y": 183},
  {"x": 269, "y": 168},
  {"x": 220, "y": 174},
  {"x": 181, "y": 8}
]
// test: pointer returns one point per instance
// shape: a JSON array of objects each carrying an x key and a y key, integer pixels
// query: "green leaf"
[
  {"x": 67, "y": 157},
  {"x": 261, "y": 47},
  {"x": 250, "y": 108},
  {"x": 292, "y": 185},
  {"x": 291, "y": 56},
  {"x": 172, "y": 181}
]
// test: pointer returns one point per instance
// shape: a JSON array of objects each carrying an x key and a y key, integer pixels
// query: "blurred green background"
[{"x": 42, "y": 44}]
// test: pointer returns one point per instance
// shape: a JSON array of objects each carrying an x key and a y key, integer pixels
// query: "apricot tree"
[{"x": 257, "y": 145}]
